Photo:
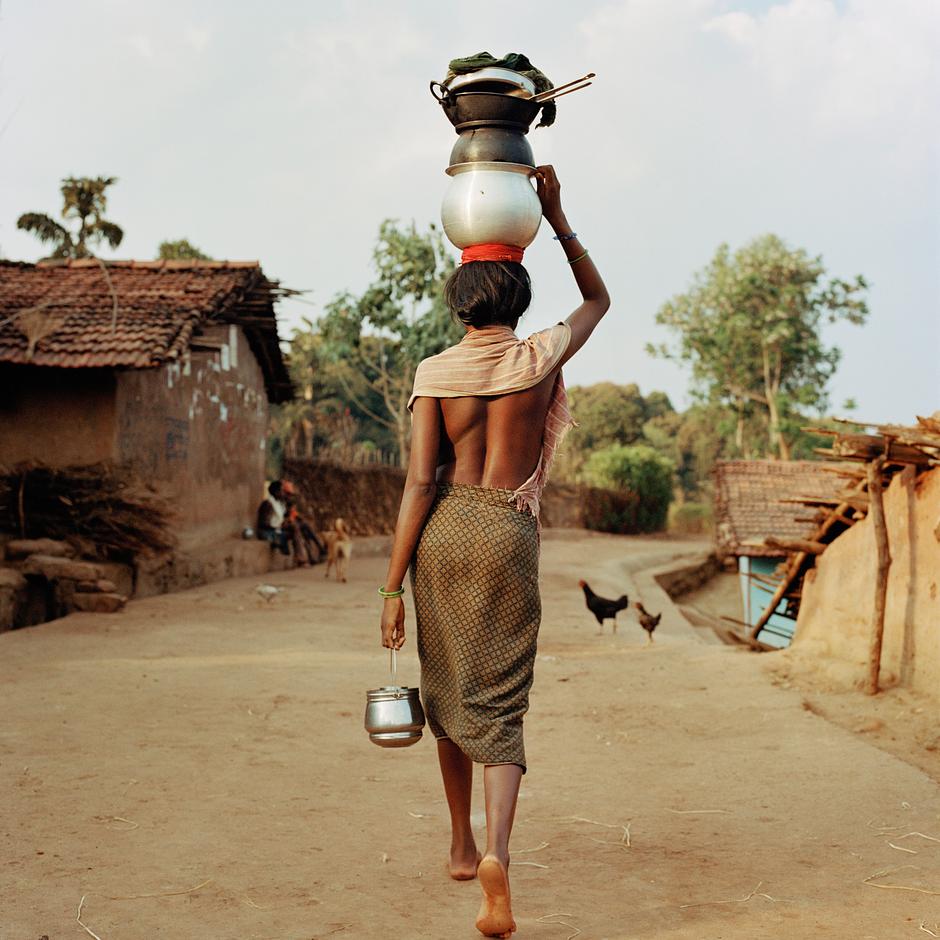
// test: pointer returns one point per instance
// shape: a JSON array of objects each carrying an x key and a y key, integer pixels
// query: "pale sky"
[{"x": 286, "y": 131}]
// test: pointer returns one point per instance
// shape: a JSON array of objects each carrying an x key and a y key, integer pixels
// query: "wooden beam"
[
  {"x": 880, "y": 529},
  {"x": 796, "y": 545},
  {"x": 256, "y": 323}
]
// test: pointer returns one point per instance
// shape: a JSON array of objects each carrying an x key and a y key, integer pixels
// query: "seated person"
[
  {"x": 271, "y": 516},
  {"x": 309, "y": 548}
]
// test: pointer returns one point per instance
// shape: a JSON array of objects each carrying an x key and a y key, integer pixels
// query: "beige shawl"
[{"x": 494, "y": 361}]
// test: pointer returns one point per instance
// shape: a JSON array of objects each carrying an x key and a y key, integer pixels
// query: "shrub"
[
  {"x": 691, "y": 519},
  {"x": 640, "y": 470}
]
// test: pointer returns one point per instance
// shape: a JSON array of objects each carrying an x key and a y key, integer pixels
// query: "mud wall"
[
  {"x": 367, "y": 498},
  {"x": 834, "y": 623},
  {"x": 56, "y": 416},
  {"x": 196, "y": 428}
]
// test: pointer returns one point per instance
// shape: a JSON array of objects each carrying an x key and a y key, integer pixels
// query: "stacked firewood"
[
  {"x": 871, "y": 459},
  {"x": 103, "y": 509}
]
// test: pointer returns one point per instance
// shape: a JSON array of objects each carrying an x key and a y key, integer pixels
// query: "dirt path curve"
[{"x": 211, "y": 738}]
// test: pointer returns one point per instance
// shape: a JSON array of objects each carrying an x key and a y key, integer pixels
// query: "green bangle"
[
  {"x": 398, "y": 593},
  {"x": 579, "y": 258}
]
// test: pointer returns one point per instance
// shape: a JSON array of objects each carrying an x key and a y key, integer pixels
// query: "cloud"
[
  {"x": 871, "y": 62},
  {"x": 196, "y": 37},
  {"x": 141, "y": 45}
]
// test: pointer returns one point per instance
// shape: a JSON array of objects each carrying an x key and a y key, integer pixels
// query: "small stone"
[
  {"x": 874, "y": 724},
  {"x": 53, "y": 568},
  {"x": 99, "y": 603},
  {"x": 11, "y": 580},
  {"x": 23, "y": 548},
  {"x": 102, "y": 584}
]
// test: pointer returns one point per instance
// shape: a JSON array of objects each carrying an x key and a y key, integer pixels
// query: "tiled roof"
[
  {"x": 133, "y": 314},
  {"x": 748, "y": 507}
]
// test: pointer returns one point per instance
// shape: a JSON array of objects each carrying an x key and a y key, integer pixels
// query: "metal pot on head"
[
  {"x": 469, "y": 109},
  {"x": 491, "y": 145},
  {"x": 489, "y": 203}
]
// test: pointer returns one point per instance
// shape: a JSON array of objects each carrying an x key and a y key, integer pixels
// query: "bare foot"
[
  {"x": 495, "y": 917},
  {"x": 463, "y": 867}
]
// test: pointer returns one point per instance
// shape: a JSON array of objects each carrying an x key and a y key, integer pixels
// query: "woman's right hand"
[
  {"x": 393, "y": 623},
  {"x": 549, "y": 193}
]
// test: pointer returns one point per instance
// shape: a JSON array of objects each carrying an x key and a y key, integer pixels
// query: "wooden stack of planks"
[
  {"x": 104, "y": 510},
  {"x": 871, "y": 461}
]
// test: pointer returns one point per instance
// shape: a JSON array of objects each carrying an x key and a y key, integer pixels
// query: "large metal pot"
[
  {"x": 468, "y": 109},
  {"x": 491, "y": 203},
  {"x": 492, "y": 145},
  {"x": 394, "y": 716}
]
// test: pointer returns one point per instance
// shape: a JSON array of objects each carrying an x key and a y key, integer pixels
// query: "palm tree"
[
  {"x": 83, "y": 198},
  {"x": 181, "y": 250}
]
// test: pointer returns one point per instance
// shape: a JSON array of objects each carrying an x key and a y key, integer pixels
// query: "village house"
[
  {"x": 167, "y": 367},
  {"x": 753, "y": 523}
]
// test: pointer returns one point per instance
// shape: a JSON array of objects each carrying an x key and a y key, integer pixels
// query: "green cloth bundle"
[{"x": 512, "y": 60}]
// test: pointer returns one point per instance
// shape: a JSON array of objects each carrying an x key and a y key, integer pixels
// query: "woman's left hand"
[{"x": 393, "y": 623}]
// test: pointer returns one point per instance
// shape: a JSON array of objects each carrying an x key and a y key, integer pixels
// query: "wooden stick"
[
  {"x": 542, "y": 95},
  {"x": 880, "y": 529},
  {"x": 562, "y": 94},
  {"x": 796, "y": 545}
]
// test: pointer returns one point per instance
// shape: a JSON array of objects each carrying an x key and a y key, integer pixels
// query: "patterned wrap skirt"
[{"x": 474, "y": 578}]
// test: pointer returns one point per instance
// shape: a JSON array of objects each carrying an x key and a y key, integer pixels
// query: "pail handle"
[
  {"x": 440, "y": 98},
  {"x": 393, "y": 665}
]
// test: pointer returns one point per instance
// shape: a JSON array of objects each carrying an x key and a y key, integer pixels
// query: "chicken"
[
  {"x": 602, "y": 608},
  {"x": 268, "y": 591},
  {"x": 647, "y": 621}
]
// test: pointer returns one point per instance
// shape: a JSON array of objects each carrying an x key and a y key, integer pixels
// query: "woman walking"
[{"x": 488, "y": 415}]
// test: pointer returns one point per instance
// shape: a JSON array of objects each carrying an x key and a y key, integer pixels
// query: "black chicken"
[
  {"x": 602, "y": 608},
  {"x": 647, "y": 621}
]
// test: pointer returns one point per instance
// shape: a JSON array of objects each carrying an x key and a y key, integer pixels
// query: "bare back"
[{"x": 494, "y": 441}]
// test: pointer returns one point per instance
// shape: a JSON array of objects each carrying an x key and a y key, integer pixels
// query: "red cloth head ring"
[{"x": 492, "y": 253}]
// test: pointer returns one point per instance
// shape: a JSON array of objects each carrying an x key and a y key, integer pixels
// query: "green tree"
[
  {"x": 399, "y": 320},
  {"x": 607, "y": 414},
  {"x": 181, "y": 249},
  {"x": 323, "y": 418},
  {"x": 84, "y": 201},
  {"x": 750, "y": 328},
  {"x": 638, "y": 469}
]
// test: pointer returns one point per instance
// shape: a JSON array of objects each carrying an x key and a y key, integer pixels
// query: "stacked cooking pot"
[{"x": 490, "y": 198}]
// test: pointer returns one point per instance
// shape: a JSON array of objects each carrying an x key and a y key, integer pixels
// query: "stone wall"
[
  {"x": 367, "y": 498},
  {"x": 834, "y": 623}
]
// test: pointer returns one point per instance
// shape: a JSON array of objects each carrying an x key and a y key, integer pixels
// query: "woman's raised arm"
[{"x": 594, "y": 293}]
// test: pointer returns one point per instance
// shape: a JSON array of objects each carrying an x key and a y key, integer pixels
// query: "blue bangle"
[{"x": 564, "y": 238}]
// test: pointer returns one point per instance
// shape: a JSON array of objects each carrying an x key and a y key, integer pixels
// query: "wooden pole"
[{"x": 880, "y": 530}]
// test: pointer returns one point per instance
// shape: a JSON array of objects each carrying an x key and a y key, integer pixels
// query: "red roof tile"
[
  {"x": 748, "y": 507},
  {"x": 133, "y": 314}
]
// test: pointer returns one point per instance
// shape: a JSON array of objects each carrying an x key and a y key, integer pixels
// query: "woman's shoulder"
[{"x": 552, "y": 341}]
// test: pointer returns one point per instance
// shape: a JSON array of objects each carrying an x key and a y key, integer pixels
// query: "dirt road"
[{"x": 196, "y": 768}]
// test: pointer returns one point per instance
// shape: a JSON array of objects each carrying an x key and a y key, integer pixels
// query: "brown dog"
[{"x": 338, "y": 549}]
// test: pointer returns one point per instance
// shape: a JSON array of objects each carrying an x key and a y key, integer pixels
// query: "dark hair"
[
  {"x": 275, "y": 489},
  {"x": 488, "y": 293}
]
